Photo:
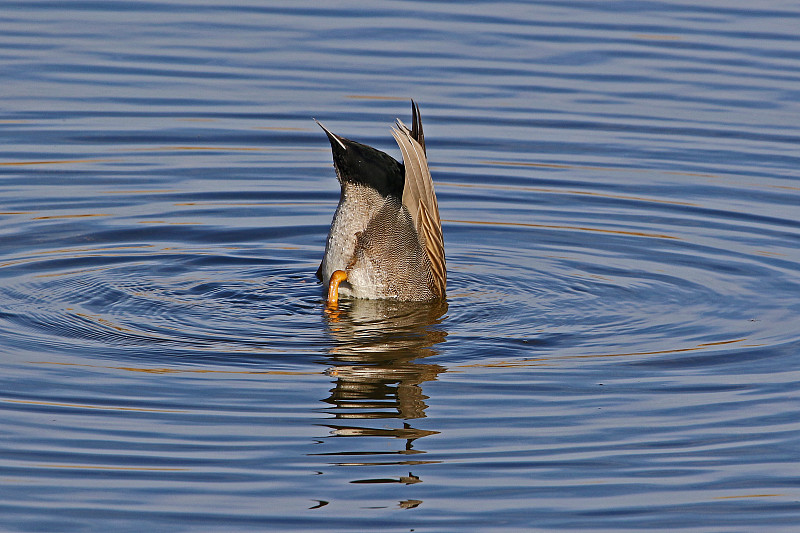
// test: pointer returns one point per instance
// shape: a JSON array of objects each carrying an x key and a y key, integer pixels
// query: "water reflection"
[{"x": 378, "y": 377}]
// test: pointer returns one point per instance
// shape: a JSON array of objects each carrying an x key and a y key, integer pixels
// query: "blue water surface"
[{"x": 618, "y": 183}]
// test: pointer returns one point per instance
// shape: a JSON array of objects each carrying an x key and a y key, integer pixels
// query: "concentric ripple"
[
  {"x": 623, "y": 274},
  {"x": 121, "y": 299},
  {"x": 618, "y": 351}
]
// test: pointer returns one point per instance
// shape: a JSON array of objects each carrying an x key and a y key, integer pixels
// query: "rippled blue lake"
[{"x": 619, "y": 189}]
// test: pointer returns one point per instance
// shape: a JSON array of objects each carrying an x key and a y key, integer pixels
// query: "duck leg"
[{"x": 337, "y": 277}]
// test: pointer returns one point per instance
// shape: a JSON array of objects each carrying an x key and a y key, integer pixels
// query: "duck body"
[{"x": 376, "y": 247}]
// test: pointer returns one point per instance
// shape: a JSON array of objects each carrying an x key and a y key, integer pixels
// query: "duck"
[{"x": 385, "y": 240}]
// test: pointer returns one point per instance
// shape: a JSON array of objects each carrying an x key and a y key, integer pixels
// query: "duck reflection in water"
[
  {"x": 377, "y": 344},
  {"x": 385, "y": 251}
]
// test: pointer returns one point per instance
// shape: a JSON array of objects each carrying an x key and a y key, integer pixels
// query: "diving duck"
[{"x": 385, "y": 240}]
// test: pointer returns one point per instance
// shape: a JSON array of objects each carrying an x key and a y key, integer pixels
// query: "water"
[{"x": 618, "y": 183}]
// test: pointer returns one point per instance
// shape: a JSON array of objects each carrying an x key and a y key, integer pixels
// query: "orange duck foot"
[{"x": 337, "y": 277}]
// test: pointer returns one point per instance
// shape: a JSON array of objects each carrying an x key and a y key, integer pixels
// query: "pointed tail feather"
[{"x": 416, "y": 126}]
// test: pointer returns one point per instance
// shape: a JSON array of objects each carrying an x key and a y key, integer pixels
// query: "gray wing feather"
[{"x": 419, "y": 198}]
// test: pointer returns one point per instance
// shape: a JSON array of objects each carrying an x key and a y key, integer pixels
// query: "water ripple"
[{"x": 618, "y": 184}]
